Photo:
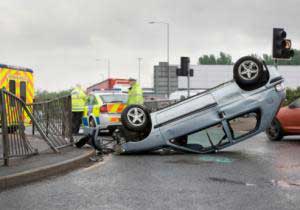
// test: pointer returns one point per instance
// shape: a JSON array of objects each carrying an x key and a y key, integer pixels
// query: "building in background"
[
  {"x": 111, "y": 83},
  {"x": 160, "y": 81}
]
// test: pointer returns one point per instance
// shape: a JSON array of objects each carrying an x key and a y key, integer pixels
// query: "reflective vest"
[
  {"x": 135, "y": 95},
  {"x": 78, "y": 100}
]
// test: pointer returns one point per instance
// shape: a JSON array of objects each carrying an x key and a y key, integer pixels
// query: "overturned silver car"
[{"x": 210, "y": 121}]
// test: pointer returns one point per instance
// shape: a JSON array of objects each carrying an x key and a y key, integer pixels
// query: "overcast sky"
[{"x": 61, "y": 40}]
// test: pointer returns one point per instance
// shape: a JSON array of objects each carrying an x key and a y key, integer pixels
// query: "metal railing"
[
  {"x": 55, "y": 119},
  {"x": 14, "y": 141},
  {"x": 52, "y": 119}
]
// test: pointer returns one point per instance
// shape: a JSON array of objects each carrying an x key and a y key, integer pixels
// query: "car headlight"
[{"x": 280, "y": 87}]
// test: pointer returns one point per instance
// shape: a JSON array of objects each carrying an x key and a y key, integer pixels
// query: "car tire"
[
  {"x": 249, "y": 73},
  {"x": 92, "y": 123},
  {"x": 135, "y": 118},
  {"x": 274, "y": 132}
]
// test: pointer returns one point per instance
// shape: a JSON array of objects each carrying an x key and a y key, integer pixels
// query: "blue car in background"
[{"x": 211, "y": 120}]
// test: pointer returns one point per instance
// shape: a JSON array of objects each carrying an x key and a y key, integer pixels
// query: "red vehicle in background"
[
  {"x": 286, "y": 122},
  {"x": 110, "y": 84}
]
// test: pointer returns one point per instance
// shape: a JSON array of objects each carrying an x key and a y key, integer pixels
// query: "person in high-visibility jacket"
[
  {"x": 78, "y": 102},
  {"x": 135, "y": 93}
]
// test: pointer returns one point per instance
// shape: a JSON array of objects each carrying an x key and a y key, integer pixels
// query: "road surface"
[{"x": 256, "y": 174}]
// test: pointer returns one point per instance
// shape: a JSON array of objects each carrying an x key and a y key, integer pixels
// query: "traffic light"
[
  {"x": 184, "y": 67},
  {"x": 281, "y": 45},
  {"x": 185, "y": 63}
]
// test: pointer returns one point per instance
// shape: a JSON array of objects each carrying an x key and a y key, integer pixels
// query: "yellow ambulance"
[{"x": 19, "y": 81}]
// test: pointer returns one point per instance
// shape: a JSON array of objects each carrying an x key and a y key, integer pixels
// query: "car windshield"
[{"x": 114, "y": 98}]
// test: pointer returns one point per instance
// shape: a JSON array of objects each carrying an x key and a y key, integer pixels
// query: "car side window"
[
  {"x": 244, "y": 124},
  {"x": 296, "y": 103},
  {"x": 94, "y": 101},
  {"x": 89, "y": 100},
  {"x": 205, "y": 139}
]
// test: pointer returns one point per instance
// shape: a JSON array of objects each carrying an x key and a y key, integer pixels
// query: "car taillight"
[{"x": 103, "y": 108}]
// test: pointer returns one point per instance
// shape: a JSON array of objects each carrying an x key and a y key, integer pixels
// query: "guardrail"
[{"x": 55, "y": 119}]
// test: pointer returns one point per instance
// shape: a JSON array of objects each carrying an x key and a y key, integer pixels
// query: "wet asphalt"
[{"x": 255, "y": 174}]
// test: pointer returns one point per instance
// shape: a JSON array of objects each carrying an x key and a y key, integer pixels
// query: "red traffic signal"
[{"x": 281, "y": 45}]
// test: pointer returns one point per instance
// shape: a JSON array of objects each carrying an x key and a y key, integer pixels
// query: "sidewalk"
[{"x": 46, "y": 163}]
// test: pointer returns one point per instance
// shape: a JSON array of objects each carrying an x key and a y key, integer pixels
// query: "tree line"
[
  {"x": 226, "y": 59},
  {"x": 221, "y": 59},
  {"x": 44, "y": 95}
]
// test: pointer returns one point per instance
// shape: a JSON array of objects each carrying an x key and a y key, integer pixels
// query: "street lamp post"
[
  {"x": 139, "y": 60},
  {"x": 168, "y": 50}
]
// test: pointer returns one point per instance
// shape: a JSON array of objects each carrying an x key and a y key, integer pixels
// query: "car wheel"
[
  {"x": 92, "y": 123},
  {"x": 274, "y": 132},
  {"x": 249, "y": 74},
  {"x": 135, "y": 118}
]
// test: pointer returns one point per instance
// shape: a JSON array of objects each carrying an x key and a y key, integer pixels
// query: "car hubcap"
[
  {"x": 248, "y": 70},
  {"x": 136, "y": 116}
]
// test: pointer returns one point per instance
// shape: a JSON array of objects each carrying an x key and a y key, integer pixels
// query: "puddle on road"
[
  {"x": 216, "y": 159},
  {"x": 184, "y": 161},
  {"x": 203, "y": 159}
]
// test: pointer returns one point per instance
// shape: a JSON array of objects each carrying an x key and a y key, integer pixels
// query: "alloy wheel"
[{"x": 136, "y": 116}]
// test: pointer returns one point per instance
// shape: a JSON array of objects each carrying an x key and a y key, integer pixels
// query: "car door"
[
  {"x": 290, "y": 117},
  {"x": 187, "y": 116},
  {"x": 88, "y": 109},
  {"x": 91, "y": 102},
  {"x": 95, "y": 109}
]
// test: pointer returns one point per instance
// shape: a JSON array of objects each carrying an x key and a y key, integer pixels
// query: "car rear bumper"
[{"x": 110, "y": 121}]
